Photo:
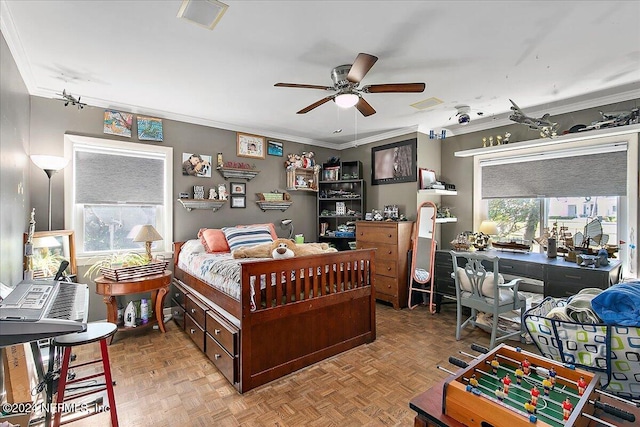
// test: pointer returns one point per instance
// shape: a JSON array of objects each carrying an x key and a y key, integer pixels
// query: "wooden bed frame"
[{"x": 296, "y": 322}]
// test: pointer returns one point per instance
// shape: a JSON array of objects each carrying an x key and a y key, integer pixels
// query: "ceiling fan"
[{"x": 346, "y": 79}]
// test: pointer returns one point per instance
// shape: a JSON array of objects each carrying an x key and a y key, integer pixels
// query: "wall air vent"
[
  {"x": 426, "y": 103},
  {"x": 205, "y": 13}
]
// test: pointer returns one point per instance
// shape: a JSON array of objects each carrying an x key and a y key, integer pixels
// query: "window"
[
  {"x": 112, "y": 188},
  {"x": 566, "y": 183},
  {"x": 522, "y": 220}
]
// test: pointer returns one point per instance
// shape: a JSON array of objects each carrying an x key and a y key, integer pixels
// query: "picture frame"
[
  {"x": 427, "y": 178},
  {"x": 195, "y": 164},
  {"x": 47, "y": 250},
  {"x": 394, "y": 163},
  {"x": 238, "y": 188},
  {"x": 238, "y": 202},
  {"x": 274, "y": 148},
  {"x": 252, "y": 146}
]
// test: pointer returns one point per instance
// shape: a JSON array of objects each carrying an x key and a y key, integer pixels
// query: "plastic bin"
[{"x": 612, "y": 351}]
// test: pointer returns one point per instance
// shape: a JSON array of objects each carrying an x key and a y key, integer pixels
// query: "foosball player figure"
[
  {"x": 500, "y": 394},
  {"x": 534, "y": 395},
  {"x": 566, "y": 409},
  {"x": 546, "y": 385},
  {"x": 526, "y": 366},
  {"x": 506, "y": 382},
  {"x": 473, "y": 381},
  {"x": 519, "y": 374},
  {"x": 552, "y": 377},
  {"x": 495, "y": 365},
  {"x": 530, "y": 407},
  {"x": 582, "y": 385}
]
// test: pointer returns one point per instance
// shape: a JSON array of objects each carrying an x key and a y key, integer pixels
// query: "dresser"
[{"x": 392, "y": 241}]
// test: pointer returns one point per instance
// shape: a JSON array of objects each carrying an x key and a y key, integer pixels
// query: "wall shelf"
[
  {"x": 236, "y": 173},
  {"x": 445, "y": 220},
  {"x": 190, "y": 204},
  {"x": 439, "y": 192},
  {"x": 296, "y": 177},
  {"x": 273, "y": 205}
]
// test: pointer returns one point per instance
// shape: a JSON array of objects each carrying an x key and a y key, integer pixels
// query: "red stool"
[{"x": 96, "y": 331}]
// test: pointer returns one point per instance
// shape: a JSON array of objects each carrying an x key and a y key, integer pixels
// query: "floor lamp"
[{"x": 50, "y": 165}]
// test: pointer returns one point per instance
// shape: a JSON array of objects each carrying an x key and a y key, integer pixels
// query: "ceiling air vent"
[
  {"x": 205, "y": 13},
  {"x": 426, "y": 103}
]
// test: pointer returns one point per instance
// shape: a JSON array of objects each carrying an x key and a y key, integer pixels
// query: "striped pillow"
[{"x": 239, "y": 237}]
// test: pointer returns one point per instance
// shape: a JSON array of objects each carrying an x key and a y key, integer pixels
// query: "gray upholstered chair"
[{"x": 482, "y": 289}]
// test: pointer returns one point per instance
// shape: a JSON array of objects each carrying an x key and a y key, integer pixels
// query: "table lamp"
[
  {"x": 288, "y": 223},
  {"x": 50, "y": 165},
  {"x": 490, "y": 228},
  {"x": 147, "y": 234}
]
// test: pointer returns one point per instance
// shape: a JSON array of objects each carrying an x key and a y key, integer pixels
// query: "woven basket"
[{"x": 127, "y": 273}]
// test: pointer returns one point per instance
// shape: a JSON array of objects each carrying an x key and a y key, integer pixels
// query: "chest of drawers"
[{"x": 392, "y": 241}]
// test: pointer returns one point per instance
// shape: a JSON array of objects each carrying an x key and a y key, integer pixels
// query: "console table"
[
  {"x": 158, "y": 285},
  {"x": 561, "y": 278}
]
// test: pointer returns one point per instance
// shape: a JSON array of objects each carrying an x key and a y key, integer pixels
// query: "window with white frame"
[
  {"x": 112, "y": 188},
  {"x": 565, "y": 184}
]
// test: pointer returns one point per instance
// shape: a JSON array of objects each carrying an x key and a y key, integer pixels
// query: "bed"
[{"x": 307, "y": 309}]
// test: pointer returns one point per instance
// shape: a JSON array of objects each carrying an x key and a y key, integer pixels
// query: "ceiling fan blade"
[
  {"x": 303, "y": 86},
  {"x": 365, "y": 108},
  {"x": 395, "y": 87},
  {"x": 316, "y": 104},
  {"x": 361, "y": 67}
]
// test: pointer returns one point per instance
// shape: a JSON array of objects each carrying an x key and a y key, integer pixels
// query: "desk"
[
  {"x": 561, "y": 278},
  {"x": 158, "y": 285}
]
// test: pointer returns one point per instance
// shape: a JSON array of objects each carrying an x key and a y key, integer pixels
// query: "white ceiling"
[{"x": 136, "y": 56}]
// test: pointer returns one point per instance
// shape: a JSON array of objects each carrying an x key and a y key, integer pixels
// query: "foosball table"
[{"x": 514, "y": 388}]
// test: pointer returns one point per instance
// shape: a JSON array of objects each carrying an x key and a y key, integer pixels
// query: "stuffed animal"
[
  {"x": 282, "y": 247},
  {"x": 222, "y": 192}
]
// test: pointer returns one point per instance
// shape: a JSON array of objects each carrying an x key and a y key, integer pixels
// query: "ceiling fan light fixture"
[{"x": 346, "y": 100}]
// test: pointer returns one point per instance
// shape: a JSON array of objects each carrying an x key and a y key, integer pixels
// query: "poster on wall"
[
  {"x": 118, "y": 123},
  {"x": 196, "y": 165},
  {"x": 149, "y": 129}
]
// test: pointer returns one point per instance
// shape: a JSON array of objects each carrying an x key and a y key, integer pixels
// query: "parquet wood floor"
[{"x": 164, "y": 380}]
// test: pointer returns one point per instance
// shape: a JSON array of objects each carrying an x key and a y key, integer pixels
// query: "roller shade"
[
  {"x": 596, "y": 171},
  {"x": 119, "y": 177}
]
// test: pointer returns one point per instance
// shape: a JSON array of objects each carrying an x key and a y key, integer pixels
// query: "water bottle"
[{"x": 144, "y": 311}]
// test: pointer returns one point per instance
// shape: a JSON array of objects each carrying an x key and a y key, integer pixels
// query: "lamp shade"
[
  {"x": 488, "y": 227},
  {"x": 346, "y": 100},
  {"x": 52, "y": 163},
  {"x": 147, "y": 233}
]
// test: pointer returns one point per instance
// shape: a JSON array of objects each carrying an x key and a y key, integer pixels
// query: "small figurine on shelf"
[
  {"x": 498, "y": 140},
  {"x": 212, "y": 194},
  {"x": 507, "y": 135},
  {"x": 300, "y": 182},
  {"x": 222, "y": 192},
  {"x": 307, "y": 159},
  {"x": 484, "y": 142}
]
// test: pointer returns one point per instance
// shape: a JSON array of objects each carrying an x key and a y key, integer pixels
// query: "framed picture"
[
  {"x": 238, "y": 188},
  {"x": 238, "y": 202},
  {"x": 250, "y": 146},
  {"x": 274, "y": 148},
  {"x": 149, "y": 129},
  {"x": 427, "y": 178},
  {"x": 196, "y": 165},
  {"x": 117, "y": 123},
  {"x": 394, "y": 163}
]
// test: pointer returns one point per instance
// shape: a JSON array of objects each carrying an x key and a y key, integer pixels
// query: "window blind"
[
  {"x": 119, "y": 177},
  {"x": 593, "y": 172}
]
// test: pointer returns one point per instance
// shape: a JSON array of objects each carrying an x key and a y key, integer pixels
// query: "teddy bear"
[{"x": 284, "y": 248}]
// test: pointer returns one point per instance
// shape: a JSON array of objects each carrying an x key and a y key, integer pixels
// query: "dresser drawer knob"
[
  {"x": 193, "y": 310},
  {"x": 390, "y": 236},
  {"x": 217, "y": 331},
  {"x": 193, "y": 331},
  {"x": 388, "y": 268},
  {"x": 217, "y": 356},
  {"x": 175, "y": 313},
  {"x": 177, "y": 294},
  {"x": 389, "y": 286},
  {"x": 390, "y": 252}
]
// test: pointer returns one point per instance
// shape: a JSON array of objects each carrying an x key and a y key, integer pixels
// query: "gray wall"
[
  {"x": 50, "y": 120},
  {"x": 14, "y": 167}
]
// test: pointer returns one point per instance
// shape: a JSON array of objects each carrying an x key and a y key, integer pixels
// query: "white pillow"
[
  {"x": 193, "y": 246},
  {"x": 486, "y": 289}
]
